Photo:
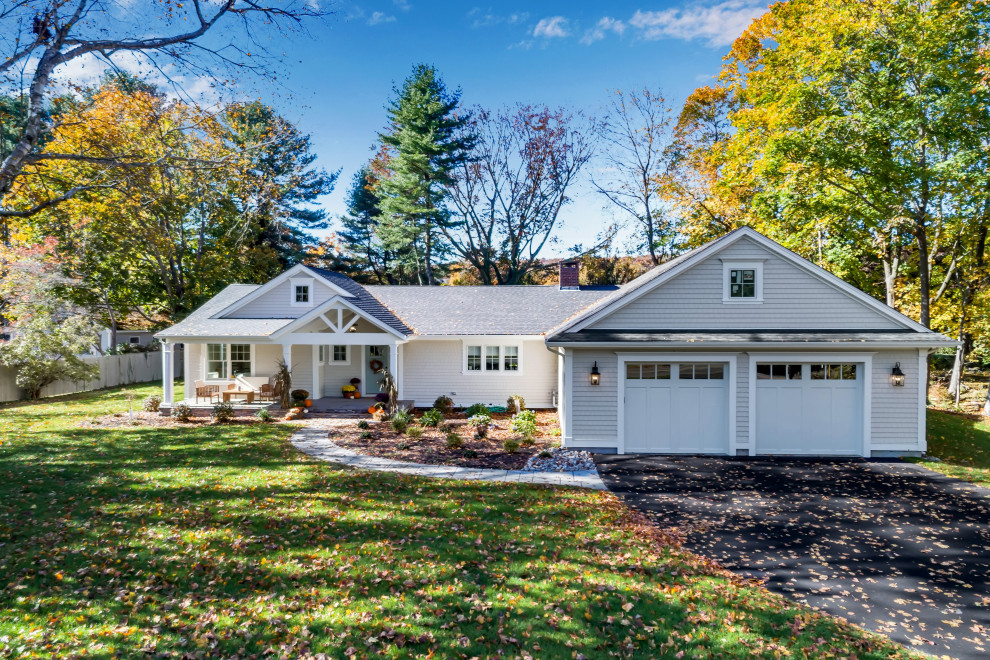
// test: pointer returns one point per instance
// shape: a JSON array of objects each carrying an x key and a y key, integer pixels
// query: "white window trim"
[
  {"x": 300, "y": 281},
  {"x": 729, "y": 265},
  {"x": 205, "y": 360},
  {"x": 485, "y": 345},
  {"x": 332, "y": 361}
]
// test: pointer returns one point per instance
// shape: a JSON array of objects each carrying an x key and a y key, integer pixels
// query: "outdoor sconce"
[
  {"x": 897, "y": 376},
  {"x": 596, "y": 375}
]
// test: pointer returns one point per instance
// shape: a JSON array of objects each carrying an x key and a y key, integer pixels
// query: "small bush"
[
  {"x": 515, "y": 403},
  {"x": 151, "y": 403},
  {"x": 432, "y": 417},
  {"x": 470, "y": 453},
  {"x": 223, "y": 412},
  {"x": 363, "y": 424},
  {"x": 415, "y": 432},
  {"x": 365, "y": 435},
  {"x": 402, "y": 446},
  {"x": 524, "y": 423},
  {"x": 555, "y": 432},
  {"x": 480, "y": 424},
  {"x": 264, "y": 416},
  {"x": 510, "y": 445},
  {"x": 400, "y": 421},
  {"x": 545, "y": 453},
  {"x": 454, "y": 440},
  {"x": 181, "y": 412},
  {"x": 478, "y": 409},
  {"x": 444, "y": 404}
]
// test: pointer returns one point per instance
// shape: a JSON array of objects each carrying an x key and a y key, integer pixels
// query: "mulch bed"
[
  {"x": 431, "y": 448},
  {"x": 142, "y": 418}
]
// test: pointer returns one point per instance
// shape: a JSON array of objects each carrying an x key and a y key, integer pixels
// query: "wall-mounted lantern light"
[
  {"x": 897, "y": 376},
  {"x": 596, "y": 375}
]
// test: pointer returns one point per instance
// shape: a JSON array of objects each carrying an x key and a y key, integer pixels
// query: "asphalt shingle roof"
[
  {"x": 485, "y": 310},
  {"x": 363, "y": 300},
  {"x": 202, "y": 324}
]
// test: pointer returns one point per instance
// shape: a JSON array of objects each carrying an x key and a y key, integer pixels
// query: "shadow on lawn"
[{"x": 215, "y": 541}]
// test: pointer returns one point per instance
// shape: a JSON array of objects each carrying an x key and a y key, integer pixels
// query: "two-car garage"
[{"x": 795, "y": 407}]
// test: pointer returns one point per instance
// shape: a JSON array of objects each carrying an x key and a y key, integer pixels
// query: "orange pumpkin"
[
  {"x": 309, "y": 403},
  {"x": 372, "y": 410}
]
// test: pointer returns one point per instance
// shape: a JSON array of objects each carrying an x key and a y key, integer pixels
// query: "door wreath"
[{"x": 376, "y": 366}]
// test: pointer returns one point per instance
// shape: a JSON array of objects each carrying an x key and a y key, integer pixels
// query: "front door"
[{"x": 375, "y": 364}]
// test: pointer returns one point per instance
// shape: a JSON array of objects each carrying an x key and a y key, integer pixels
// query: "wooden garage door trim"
[
  {"x": 866, "y": 359},
  {"x": 730, "y": 360}
]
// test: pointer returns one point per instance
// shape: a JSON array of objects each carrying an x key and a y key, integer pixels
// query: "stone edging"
[{"x": 314, "y": 441}]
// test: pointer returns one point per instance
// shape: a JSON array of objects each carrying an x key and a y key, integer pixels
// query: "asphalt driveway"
[{"x": 889, "y": 546}]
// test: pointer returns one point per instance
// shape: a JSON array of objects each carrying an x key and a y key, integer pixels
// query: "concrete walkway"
[{"x": 314, "y": 441}]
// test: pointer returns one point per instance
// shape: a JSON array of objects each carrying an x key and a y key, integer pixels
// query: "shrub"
[
  {"x": 151, "y": 403},
  {"x": 223, "y": 412},
  {"x": 524, "y": 423},
  {"x": 415, "y": 432},
  {"x": 515, "y": 403},
  {"x": 402, "y": 446},
  {"x": 181, "y": 412},
  {"x": 510, "y": 445},
  {"x": 365, "y": 435},
  {"x": 470, "y": 453},
  {"x": 454, "y": 440},
  {"x": 400, "y": 421},
  {"x": 545, "y": 453},
  {"x": 432, "y": 417},
  {"x": 480, "y": 424},
  {"x": 300, "y": 395},
  {"x": 363, "y": 424},
  {"x": 264, "y": 416},
  {"x": 444, "y": 404},
  {"x": 478, "y": 409}
]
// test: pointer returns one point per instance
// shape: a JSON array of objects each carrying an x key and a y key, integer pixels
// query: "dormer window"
[
  {"x": 301, "y": 292},
  {"x": 742, "y": 281}
]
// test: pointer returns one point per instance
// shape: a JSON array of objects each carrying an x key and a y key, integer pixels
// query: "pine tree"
[
  {"x": 427, "y": 143},
  {"x": 359, "y": 236}
]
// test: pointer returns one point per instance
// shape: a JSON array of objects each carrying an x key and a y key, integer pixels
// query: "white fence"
[{"x": 114, "y": 370}]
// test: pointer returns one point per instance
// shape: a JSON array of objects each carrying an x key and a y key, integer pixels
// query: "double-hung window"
[
  {"x": 228, "y": 360},
  {"x": 491, "y": 358}
]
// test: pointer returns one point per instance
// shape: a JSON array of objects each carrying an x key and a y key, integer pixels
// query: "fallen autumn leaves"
[{"x": 218, "y": 541}]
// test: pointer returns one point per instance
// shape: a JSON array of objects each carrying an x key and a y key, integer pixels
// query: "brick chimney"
[{"x": 570, "y": 272}]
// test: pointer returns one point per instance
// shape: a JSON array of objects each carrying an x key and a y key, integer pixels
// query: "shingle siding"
[
  {"x": 434, "y": 367},
  {"x": 594, "y": 408},
  {"x": 894, "y": 423},
  {"x": 792, "y": 299}
]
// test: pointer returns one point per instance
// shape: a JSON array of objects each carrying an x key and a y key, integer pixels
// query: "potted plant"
[{"x": 349, "y": 391}]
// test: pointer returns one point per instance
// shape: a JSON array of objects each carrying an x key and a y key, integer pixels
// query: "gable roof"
[
  {"x": 485, "y": 310},
  {"x": 363, "y": 300},
  {"x": 667, "y": 271}
]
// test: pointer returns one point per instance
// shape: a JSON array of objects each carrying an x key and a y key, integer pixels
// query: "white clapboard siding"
[
  {"x": 277, "y": 303},
  {"x": 434, "y": 367},
  {"x": 792, "y": 299},
  {"x": 115, "y": 370}
]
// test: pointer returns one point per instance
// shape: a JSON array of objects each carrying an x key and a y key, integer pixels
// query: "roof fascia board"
[
  {"x": 275, "y": 282},
  {"x": 841, "y": 346},
  {"x": 322, "y": 309}
]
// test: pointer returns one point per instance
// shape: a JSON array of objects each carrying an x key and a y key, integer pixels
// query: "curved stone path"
[{"x": 313, "y": 440}]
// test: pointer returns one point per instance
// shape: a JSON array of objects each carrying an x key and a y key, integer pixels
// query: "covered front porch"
[{"x": 327, "y": 353}]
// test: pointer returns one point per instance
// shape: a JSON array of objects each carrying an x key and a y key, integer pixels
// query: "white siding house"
[{"x": 739, "y": 347}]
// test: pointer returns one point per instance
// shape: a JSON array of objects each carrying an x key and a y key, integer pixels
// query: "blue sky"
[{"x": 558, "y": 53}]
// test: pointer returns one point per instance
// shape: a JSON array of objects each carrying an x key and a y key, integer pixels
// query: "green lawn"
[
  {"x": 224, "y": 541},
  {"x": 963, "y": 445}
]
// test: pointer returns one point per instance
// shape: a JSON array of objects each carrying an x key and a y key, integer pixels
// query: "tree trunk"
[
  {"x": 924, "y": 272},
  {"x": 955, "y": 380}
]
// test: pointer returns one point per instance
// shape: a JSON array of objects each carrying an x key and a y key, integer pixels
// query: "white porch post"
[
  {"x": 287, "y": 356},
  {"x": 316, "y": 372},
  {"x": 168, "y": 384},
  {"x": 393, "y": 367}
]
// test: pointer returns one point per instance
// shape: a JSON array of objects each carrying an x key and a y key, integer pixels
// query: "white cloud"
[
  {"x": 602, "y": 28},
  {"x": 380, "y": 17},
  {"x": 402, "y": 5},
  {"x": 719, "y": 24},
  {"x": 486, "y": 17},
  {"x": 551, "y": 27}
]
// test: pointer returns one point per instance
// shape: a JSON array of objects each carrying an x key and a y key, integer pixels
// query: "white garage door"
[
  {"x": 676, "y": 408},
  {"x": 810, "y": 409}
]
